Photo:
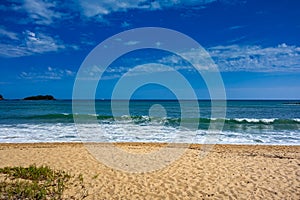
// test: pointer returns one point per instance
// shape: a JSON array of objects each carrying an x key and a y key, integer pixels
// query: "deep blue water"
[{"x": 246, "y": 122}]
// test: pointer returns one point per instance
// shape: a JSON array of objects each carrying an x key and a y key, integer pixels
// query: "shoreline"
[
  {"x": 156, "y": 145},
  {"x": 146, "y": 143},
  {"x": 227, "y": 171}
]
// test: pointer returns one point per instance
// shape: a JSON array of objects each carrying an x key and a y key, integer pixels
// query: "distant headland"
[{"x": 40, "y": 97}]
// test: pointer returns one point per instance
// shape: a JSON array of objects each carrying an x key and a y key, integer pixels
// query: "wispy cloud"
[
  {"x": 92, "y": 73},
  {"x": 41, "y": 12},
  {"x": 10, "y": 50},
  {"x": 252, "y": 58},
  {"x": 197, "y": 57},
  {"x": 8, "y": 34},
  {"x": 115, "y": 72},
  {"x": 232, "y": 58},
  {"x": 29, "y": 43},
  {"x": 49, "y": 74},
  {"x": 131, "y": 42},
  {"x": 92, "y": 8},
  {"x": 257, "y": 58},
  {"x": 86, "y": 39},
  {"x": 148, "y": 69},
  {"x": 40, "y": 43},
  {"x": 45, "y": 12},
  {"x": 235, "y": 27}
]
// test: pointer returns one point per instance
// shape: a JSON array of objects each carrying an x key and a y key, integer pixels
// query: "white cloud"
[
  {"x": 252, "y": 58},
  {"x": 50, "y": 74},
  {"x": 256, "y": 58},
  {"x": 69, "y": 73},
  {"x": 130, "y": 43},
  {"x": 116, "y": 72},
  {"x": 93, "y": 72},
  {"x": 40, "y": 43},
  {"x": 41, "y": 12},
  {"x": 235, "y": 27},
  {"x": 148, "y": 69},
  {"x": 197, "y": 57},
  {"x": 46, "y": 12},
  {"x": 10, "y": 50},
  {"x": 138, "y": 70},
  {"x": 92, "y": 8},
  {"x": 8, "y": 34},
  {"x": 30, "y": 43}
]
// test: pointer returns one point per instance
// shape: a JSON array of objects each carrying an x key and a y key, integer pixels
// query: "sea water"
[{"x": 245, "y": 122}]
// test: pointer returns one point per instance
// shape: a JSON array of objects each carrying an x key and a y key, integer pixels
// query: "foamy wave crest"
[
  {"x": 254, "y": 120},
  {"x": 46, "y": 132},
  {"x": 271, "y": 121},
  {"x": 132, "y": 132}
]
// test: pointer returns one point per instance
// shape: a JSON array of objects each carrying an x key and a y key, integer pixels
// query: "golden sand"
[{"x": 227, "y": 172}]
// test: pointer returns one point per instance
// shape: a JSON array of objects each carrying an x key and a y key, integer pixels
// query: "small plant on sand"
[
  {"x": 96, "y": 176},
  {"x": 39, "y": 183}
]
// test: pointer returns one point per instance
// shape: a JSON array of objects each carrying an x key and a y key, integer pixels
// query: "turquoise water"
[{"x": 246, "y": 122}]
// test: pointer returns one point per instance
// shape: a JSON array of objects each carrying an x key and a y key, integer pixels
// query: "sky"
[{"x": 255, "y": 45}]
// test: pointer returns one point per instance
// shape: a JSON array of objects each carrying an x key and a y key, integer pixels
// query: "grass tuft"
[{"x": 38, "y": 183}]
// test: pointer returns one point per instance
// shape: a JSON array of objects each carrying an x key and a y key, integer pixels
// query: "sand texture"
[{"x": 227, "y": 172}]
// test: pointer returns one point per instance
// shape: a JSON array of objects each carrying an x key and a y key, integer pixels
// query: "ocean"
[{"x": 246, "y": 122}]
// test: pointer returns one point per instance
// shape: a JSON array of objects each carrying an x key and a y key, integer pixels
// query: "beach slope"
[{"x": 227, "y": 172}]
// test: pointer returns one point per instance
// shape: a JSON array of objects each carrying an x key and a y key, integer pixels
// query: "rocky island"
[{"x": 40, "y": 97}]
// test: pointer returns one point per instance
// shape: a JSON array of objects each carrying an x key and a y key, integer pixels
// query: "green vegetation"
[
  {"x": 96, "y": 176},
  {"x": 39, "y": 183}
]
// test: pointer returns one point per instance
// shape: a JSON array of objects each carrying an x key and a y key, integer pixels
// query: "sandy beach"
[{"x": 227, "y": 172}]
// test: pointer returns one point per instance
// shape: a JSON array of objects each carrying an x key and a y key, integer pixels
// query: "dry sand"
[{"x": 227, "y": 172}]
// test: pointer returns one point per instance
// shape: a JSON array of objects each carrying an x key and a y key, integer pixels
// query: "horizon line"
[{"x": 103, "y": 99}]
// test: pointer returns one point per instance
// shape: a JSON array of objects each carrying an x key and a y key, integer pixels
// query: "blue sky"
[{"x": 255, "y": 44}]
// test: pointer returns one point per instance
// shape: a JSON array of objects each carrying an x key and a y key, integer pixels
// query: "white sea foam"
[
  {"x": 130, "y": 132},
  {"x": 122, "y": 131},
  {"x": 254, "y": 120},
  {"x": 246, "y": 119}
]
